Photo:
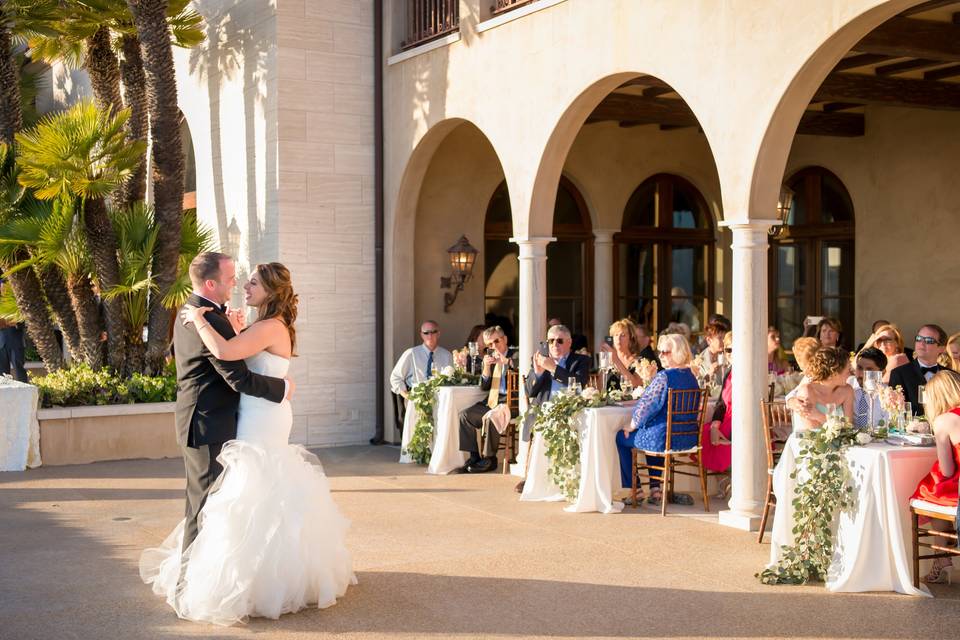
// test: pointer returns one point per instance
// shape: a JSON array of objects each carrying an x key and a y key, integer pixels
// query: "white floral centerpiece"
[{"x": 421, "y": 397}]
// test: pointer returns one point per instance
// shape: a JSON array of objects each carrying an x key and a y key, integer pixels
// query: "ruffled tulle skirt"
[{"x": 271, "y": 541}]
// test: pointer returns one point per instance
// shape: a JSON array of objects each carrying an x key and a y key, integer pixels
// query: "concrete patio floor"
[{"x": 436, "y": 557}]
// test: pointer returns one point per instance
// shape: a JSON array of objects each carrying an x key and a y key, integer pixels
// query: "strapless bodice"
[
  {"x": 260, "y": 420},
  {"x": 268, "y": 364}
]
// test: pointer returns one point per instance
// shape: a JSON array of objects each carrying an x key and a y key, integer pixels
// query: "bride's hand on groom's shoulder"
[
  {"x": 237, "y": 320},
  {"x": 194, "y": 314}
]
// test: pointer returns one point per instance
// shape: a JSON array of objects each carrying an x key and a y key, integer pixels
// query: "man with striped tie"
[{"x": 496, "y": 363}]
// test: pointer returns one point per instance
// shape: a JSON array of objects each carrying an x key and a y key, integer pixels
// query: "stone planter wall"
[{"x": 77, "y": 435}]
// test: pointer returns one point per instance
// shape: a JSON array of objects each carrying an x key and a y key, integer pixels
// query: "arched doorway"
[
  {"x": 569, "y": 261},
  {"x": 664, "y": 267},
  {"x": 812, "y": 257}
]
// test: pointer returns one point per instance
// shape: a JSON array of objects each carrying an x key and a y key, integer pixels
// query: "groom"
[{"x": 208, "y": 390}]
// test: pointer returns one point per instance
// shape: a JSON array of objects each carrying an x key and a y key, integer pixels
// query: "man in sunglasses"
[
  {"x": 554, "y": 371},
  {"x": 929, "y": 343},
  {"x": 493, "y": 380},
  {"x": 416, "y": 365}
]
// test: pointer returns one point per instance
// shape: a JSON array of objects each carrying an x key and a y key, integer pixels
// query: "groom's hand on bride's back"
[{"x": 290, "y": 388}]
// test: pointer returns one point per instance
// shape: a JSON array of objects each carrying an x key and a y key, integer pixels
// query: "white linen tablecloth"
[
  {"x": 448, "y": 402},
  {"x": 19, "y": 429},
  {"x": 872, "y": 548},
  {"x": 599, "y": 463}
]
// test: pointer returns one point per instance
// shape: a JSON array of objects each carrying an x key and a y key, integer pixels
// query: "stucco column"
[
  {"x": 602, "y": 284},
  {"x": 748, "y": 465},
  {"x": 533, "y": 313}
]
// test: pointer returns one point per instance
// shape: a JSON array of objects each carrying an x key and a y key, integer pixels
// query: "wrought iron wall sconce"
[{"x": 462, "y": 258}]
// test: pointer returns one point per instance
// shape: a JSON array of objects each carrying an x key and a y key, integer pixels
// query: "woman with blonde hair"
[
  {"x": 889, "y": 340},
  {"x": 942, "y": 404},
  {"x": 952, "y": 354},
  {"x": 803, "y": 350},
  {"x": 776, "y": 362},
  {"x": 624, "y": 354},
  {"x": 826, "y": 385},
  {"x": 648, "y": 427}
]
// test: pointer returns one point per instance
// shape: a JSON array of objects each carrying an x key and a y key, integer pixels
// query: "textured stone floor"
[{"x": 436, "y": 557}]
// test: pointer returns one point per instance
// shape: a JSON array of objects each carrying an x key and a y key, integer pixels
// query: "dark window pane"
[
  {"x": 836, "y": 267},
  {"x": 641, "y": 208},
  {"x": 566, "y": 211},
  {"x": 686, "y": 208},
  {"x": 789, "y": 314},
  {"x": 498, "y": 212},
  {"x": 798, "y": 211},
  {"x": 791, "y": 270},
  {"x": 501, "y": 269},
  {"x": 688, "y": 286},
  {"x": 565, "y": 269},
  {"x": 835, "y": 201}
]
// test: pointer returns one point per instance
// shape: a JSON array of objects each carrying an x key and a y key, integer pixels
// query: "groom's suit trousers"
[{"x": 202, "y": 471}]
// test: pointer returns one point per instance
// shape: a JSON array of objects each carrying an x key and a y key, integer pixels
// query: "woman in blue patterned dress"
[{"x": 648, "y": 427}]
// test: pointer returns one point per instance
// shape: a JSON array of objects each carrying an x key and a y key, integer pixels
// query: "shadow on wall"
[{"x": 234, "y": 50}]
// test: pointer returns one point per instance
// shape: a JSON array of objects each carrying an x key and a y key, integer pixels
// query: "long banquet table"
[
  {"x": 19, "y": 429},
  {"x": 447, "y": 405},
  {"x": 599, "y": 464},
  {"x": 872, "y": 549}
]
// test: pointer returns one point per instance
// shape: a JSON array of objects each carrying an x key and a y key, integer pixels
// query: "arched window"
[
  {"x": 811, "y": 265},
  {"x": 569, "y": 260},
  {"x": 664, "y": 270}
]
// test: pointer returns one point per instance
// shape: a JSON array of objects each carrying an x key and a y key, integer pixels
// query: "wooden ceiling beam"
[
  {"x": 654, "y": 92},
  {"x": 912, "y": 38},
  {"x": 927, "y": 6},
  {"x": 905, "y": 66},
  {"x": 891, "y": 92},
  {"x": 940, "y": 74},
  {"x": 860, "y": 60},
  {"x": 833, "y": 107}
]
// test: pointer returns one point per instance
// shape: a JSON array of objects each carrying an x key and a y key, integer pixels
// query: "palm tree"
[{"x": 83, "y": 153}]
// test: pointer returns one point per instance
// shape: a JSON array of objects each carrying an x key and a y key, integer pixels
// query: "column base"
[{"x": 743, "y": 520}]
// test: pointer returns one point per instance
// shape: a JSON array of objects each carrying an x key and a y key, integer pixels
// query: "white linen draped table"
[
  {"x": 19, "y": 429},
  {"x": 872, "y": 547},
  {"x": 599, "y": 463},
  {"x": 448, "y": 402}
]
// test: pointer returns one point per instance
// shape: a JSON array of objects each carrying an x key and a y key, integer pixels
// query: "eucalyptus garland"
[
  {"x": 816, "y": 502},
  {"x": 422, "y": 396},
  {"x": 555, "y": 424}
]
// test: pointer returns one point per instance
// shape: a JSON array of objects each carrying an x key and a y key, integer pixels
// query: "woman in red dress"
[{"x": 942, "y": 402}]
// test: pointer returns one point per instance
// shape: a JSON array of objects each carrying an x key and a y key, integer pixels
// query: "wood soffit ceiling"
[{"x": 912, "y": 61}]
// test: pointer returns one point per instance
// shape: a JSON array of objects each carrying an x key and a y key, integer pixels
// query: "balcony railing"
[
  {"x": 502, "y": 6},
  {"x": 430, "y": 19}
]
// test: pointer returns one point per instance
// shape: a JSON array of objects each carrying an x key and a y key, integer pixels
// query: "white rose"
[
  {"x": 448, "y": 371},
  {"x": 864, "y": 438},
  {"x": 637, "y": 393},
  {"x": 590, "y": 393}
]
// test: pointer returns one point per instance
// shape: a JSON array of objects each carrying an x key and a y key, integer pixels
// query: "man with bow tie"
[{"x": 929, "y": 344}]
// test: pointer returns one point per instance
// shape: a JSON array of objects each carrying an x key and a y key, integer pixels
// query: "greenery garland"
[
  {"x": 816, "y": 502},
  {"x": 555, "y": 424},
  {"x": 421, "y": 396}
]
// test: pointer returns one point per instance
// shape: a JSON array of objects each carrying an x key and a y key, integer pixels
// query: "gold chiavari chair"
[
  {"x": 776, "y": 420},
  {"x": 921, "y": 533}
]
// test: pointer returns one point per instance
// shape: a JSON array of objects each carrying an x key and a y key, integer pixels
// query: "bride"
[{"x": 271, "y": 538}]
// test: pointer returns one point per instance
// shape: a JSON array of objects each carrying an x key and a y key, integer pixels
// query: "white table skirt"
[
  {"x": 19, "y": 429},
  {"x": 447, "y": 405},
  {"x": 872, "y": 548},
  {"x": 599, "y": 463}
]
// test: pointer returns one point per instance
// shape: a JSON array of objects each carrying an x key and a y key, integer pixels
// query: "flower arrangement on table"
[
  {"x": 555, "y": 424},
  {"x": 892, "y": 403},
  {"x": 818, "y": 497},
  {"x": 422, "y": 396}
]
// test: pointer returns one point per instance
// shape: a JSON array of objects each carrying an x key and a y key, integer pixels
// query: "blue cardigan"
[{"x": 650, "y": 414}]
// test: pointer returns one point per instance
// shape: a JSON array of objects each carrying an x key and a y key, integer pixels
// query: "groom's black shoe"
[
  {"x": 485, "y": 465},
  {"x": 474, "y": 459}
]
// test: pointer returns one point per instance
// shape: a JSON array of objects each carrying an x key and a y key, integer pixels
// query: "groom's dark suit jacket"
[
  {"x": 208, "y": 390},
  {"x": 909, "y": 377}
]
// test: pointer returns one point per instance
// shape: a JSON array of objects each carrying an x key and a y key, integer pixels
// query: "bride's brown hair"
[{"x": 281, "y": 301}]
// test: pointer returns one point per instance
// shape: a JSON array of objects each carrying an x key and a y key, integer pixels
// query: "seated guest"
[
  {"x": 580, "y": 344},
  {"x": 873, "y": 329},
  {"x": 928, "y": 345},
  {"x": 942, "y": 398},
  {"x": 462, "y": 356},
  {"x": 803, "y": 350},
  {"x": 494, "y": 381},
  {"x": 715, "y": 435},
  {"x": 887, "y": 338},
  {"x": 776, "y": 362},
  {"x": 416, "y": 364},
  {"x": 869, "y": 359},
  {"x": 713, "y": 355},
  {"x": 643, "y": 341},
  {"x": 953, "y": 352},
  {"x": 825, "y": 385},
  {"x": 720, "y": 321},
  {"x": 829, "y": 332},
  {"x": 624, "y": 354},
  {"x": 648, "y": 427},
  {"x": 553, "y": 372}
]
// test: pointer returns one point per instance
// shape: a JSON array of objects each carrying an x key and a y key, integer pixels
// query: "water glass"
[
  {"x": 604, "y": 359},
  {"x": 472, "y": 346},
  {"x": 872, "y": 381},
  {"x": 920, "y": 392}
]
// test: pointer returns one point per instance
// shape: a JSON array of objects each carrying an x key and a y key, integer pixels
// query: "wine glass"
[
  {"x": 871, "y": 385},
  {"x": 604, "y": 360},
  {"x": 920, "y": 394}
]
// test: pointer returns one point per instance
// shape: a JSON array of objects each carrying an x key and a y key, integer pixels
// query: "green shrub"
[{"x": 81, "y": 386}]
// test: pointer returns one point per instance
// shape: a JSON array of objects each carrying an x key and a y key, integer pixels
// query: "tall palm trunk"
[
  {"x": 104, "y": 71},
  {"x": 90, "y": 325},
  {"x": 51, "y": 278},
  {"x": 26, "y": 287},
  {"x": 135, "y": 97},
  {"x": 149, "y": 16},
  {"x": 102, "y": 241}
]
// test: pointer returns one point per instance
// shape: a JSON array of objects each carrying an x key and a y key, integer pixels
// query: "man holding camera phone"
[
  {"x": 496, "y": 362},
  {"x": 553, "y": 367}
]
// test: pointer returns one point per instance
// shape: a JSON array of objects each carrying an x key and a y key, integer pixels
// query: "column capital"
[
  {"x": 604, "y": 236},
  {"x": 533, "y": 247}
]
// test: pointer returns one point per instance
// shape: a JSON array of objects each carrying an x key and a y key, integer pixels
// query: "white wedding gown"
[{"x": 271, "y": 538}]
